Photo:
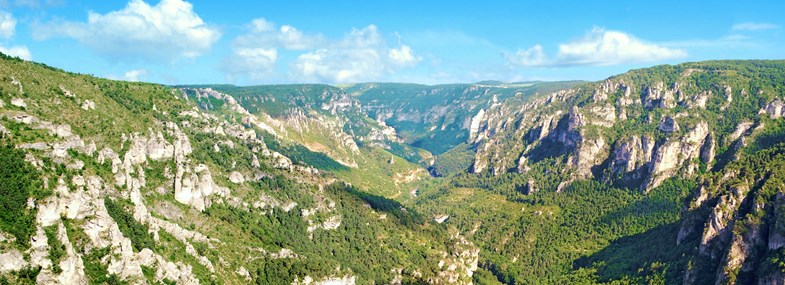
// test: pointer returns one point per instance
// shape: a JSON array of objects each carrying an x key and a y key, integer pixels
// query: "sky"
[{"x": 339, "y": 42}]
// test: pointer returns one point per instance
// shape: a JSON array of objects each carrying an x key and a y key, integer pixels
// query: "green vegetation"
[
  {"x": 302, "y": 155},
  {"x": 18, "y": 181},
  {"x": 541, "y": 238},
  {"x": 96, "y": 271},
  {"x": 135, "y": 231},
  {"x": 56, "y": 248}
]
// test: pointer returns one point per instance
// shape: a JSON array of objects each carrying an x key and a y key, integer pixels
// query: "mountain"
[
  {"x": 672, "y": 174},
  {"x": 133, "y": 183}
]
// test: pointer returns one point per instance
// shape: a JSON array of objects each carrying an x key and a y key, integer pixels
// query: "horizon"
[{"x": 176, "y": 42}]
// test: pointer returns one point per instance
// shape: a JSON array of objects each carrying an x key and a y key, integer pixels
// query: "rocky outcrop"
[
  {"x": 674, "y": 153},
  {"x": 459, "y": 266},
  {"x": 708, "y": 150},
  {"x": 18, "y": 102},
  {"x": 194, "y": 186},
  {"x": 11, "y": 260},
  {"x": 588, "y": 156},
  {"x": 630, "y": 154},
  {"x": 741, "y": 129},
  {"x": 718, "y": 229},
  {"x": 775, "y": 109},
  {"x": 475, "y": 124},
  {"x": 668, "y": 124},
  {"x": 657, "y": 96},
  {"x": 308, "y": 280},
  {"x": 744, "y": 246}
]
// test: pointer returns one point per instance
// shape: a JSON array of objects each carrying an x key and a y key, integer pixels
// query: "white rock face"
[
  {"x": 71, "y": 264},
  {"x": 629, "y": 155},
  {"x": 718, "y": 225},
  {"x": 475, "y": 125},
  {"x": 604, "y": 116},
  {"x": 19, "y": 102},
  {"x": 668, "y": 124},
  {"x": 742, "y": 128},
  {"x": 659, "y": 96},
  {"x": 588, "y": 155},
  {"x": 88, "y": 105},
  {"x": 11, "y": 260},
  {"x": 236, "y": 177},
  {"x": 674, "y": 153},
  {"x": 441, "y": 218},
  {"x": 194, "y": 187},
  {"x": 775, "y": 109}
]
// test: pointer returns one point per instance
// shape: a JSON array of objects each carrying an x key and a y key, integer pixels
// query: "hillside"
[
  {"x": 132, "y": 183},
  {"x": 673, "y": 174}
]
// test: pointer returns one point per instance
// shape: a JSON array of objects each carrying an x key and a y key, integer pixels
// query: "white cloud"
[
  {"x": 256, "y": 63},
  {"x": 362, "y": 55},
  {"x": 255, "y": 53},
  {"x": 263, "y": 33},
  {"x": 7, "y": 31},
  {"x": 533, "y": 56},
  {"x": 403, "y": 56},
  {"x": 752, "y": 26},
  {"x": 7, "y": 25},
  {"x": 166, "y": 31},
  {"x": 17, "y": 51},
  {"x": 598, "y": 47},
  {"x": 135, "y": 75}
]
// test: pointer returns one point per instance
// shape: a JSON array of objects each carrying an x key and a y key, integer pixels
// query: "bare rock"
[
  {"x": 741, "y": 129},
  {"x": 236, "y": 177},
  {"x": 88, "y": 105},
  {"x": 674, "y": 154},
  {"x": 11, "y": 260},
  {"x": 775, "y": 109},
  {"x": 668, "y": 124},
  {"x": 475, "y": 124},
  {"x": 19, "y": 102},
  {"x": 588, "y": 155}
]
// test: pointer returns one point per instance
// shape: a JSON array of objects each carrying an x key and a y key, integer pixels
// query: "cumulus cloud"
[
  {"x": 166, "y": 31},
  {"x": 255, "y": 53},
  {"x": 265, "y": 33},
  {"x": 135, "y": 75},
  {"x": 362, "y": 55},
  {"x": 7, "y": 31},
  {"x": 752, "y": 26},
  {"x": 598, "y": 47},
  {"x": 7, "y": 25},
  {"x": 17, "y": 51},
  {"x": 403, "y": 56}
]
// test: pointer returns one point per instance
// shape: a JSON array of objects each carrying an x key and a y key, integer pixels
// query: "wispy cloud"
[
  {"x": 597, "y": 47},
  {"x": 752, "y": 26}
]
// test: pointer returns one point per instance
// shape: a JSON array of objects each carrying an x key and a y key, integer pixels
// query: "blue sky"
[{"x": 264, "y": 42}]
